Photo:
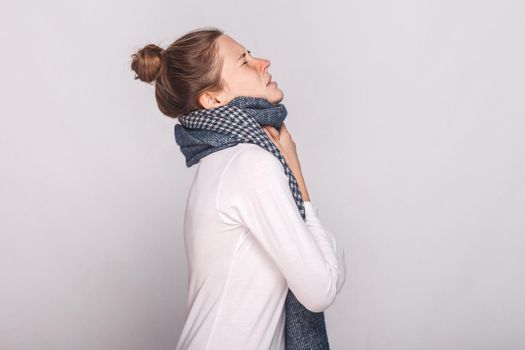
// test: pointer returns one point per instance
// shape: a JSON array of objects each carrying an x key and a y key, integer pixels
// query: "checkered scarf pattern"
[{"x": 204, "y": 131}]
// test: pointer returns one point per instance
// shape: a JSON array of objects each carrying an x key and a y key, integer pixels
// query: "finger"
[
  {"x": 267, "y": 133},
  {"x": 285, "y": 132},
  {"x": 274, "y": 132}
]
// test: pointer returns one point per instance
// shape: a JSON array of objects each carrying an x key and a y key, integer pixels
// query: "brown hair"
[{"x": 189, "y": 67}]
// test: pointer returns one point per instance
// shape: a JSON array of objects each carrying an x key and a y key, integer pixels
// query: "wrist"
[{"x": 302, "y": 187}]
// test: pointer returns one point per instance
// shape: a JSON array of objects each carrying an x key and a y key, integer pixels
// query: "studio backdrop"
[{"x": 408, "y": 118}]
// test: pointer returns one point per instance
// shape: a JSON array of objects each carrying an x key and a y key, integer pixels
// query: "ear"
[{"x": 210, "y": 99}]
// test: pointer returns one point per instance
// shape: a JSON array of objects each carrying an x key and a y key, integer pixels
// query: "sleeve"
[{"x": 254, "y": 192}]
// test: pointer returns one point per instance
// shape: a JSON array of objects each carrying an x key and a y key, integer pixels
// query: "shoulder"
[
  {"x": 252, "y": 157},
  {"x": 254, "y": 162}
]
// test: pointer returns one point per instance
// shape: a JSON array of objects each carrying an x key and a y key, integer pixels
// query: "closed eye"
[{"x": 245, "y": 62}]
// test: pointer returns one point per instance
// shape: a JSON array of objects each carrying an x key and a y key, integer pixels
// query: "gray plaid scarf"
[{"x": 204, "y": 131}]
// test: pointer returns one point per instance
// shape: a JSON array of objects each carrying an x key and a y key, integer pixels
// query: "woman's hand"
[
  {"x": 286, "y": 145},
  {"x": 284, "y": 142}
]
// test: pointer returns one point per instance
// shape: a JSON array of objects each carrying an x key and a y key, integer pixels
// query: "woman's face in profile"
[{"x": 244, "y": 74}]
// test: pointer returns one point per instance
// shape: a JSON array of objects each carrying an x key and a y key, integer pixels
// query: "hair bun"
[{"x": 147, "y": 63}]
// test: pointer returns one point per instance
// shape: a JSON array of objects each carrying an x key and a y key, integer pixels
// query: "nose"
[{"x": 265, "y": 64}]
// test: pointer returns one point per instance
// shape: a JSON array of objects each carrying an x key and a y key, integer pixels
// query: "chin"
[{"x": 276, "y": 97}]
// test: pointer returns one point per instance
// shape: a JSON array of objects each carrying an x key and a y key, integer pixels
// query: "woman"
[{"x": 262, "y": 268}]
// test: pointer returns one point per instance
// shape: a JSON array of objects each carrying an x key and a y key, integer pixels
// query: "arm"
[
  {"x": 332, "y": 250},
  {"x": 254, "y": 192}
]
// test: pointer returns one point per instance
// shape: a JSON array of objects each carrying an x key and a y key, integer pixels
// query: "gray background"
[{"x": 408, "y": 118}]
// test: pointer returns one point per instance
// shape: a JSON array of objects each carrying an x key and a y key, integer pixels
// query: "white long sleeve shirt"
[{"x": 246, "y": 244}]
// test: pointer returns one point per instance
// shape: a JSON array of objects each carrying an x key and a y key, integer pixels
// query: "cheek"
[
  {"x": 248, "y": 78},
  {"x": 244, "y": 80}
]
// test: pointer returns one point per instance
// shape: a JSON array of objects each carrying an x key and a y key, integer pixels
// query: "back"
[{"x": 236, "y": 294}]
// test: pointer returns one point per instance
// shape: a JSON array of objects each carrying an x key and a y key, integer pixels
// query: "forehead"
[{"x": 229, "y": 49}]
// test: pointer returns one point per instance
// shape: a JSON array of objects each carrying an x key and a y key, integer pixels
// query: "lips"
[{"x": 269, "y": 80}]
